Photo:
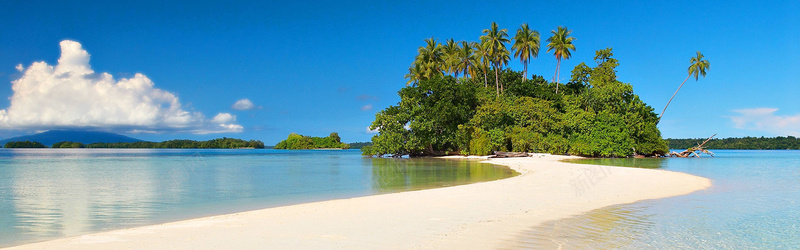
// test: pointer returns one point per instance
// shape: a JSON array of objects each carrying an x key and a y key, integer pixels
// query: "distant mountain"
[{"x": 50, "y": 137}]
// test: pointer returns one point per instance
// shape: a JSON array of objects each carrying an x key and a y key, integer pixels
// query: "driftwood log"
[
  {"x": 500, "y": 154},
  {"x": 694, "y": 151}
]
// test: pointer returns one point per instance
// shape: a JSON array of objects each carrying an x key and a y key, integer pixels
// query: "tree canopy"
[
  {"x": 24, "y": 144},
  {"x": 296, "y": 141},
  {"x": 68, "y": 144}
]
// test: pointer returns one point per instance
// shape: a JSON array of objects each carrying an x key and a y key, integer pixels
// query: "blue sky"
[{"x": 316, "y": 67}]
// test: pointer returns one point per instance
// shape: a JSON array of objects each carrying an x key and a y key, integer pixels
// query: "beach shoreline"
[{"x": 480, "y": 215}]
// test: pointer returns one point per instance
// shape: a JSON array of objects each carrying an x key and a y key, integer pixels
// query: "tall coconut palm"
[
  {"x": 415, "y": 73},
  {"x": 526, "y": 45},
  {"x": 496, "y": 39},
  {"x": 465, "y": 55},
  {"x": 560, "y": 43},
  {"x": 450, "y": 57},
  {"x": 697, "y": 67},
  {"x": 481, "y": 60},
  {"x": 429, "y": 58}
]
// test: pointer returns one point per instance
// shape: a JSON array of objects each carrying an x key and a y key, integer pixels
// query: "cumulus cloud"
[
  {"x": 765, "y": 120},
  {"x": 366, "y": 107},
  {"x": 71, "y": 95},
  {"x": 373, "y": 131},
  {"x": 243, "y": 104},
  {"x": 224, "y": 118}
]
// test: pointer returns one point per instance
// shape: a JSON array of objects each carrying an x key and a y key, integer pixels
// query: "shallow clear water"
[
  {"x": 53, "y": 193},
  {"x": 754, "y": 203}
]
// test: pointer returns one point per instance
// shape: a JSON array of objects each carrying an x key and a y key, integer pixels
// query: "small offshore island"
[
  {"x": 593, "y": 114},
  {"x": 296, "y": 141}
]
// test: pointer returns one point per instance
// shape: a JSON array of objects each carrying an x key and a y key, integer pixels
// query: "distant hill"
[{"x": 50, "y": 137}]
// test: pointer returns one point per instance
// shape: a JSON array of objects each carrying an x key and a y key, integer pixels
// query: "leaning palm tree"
[
  {"x": 495, "y": 39},
  {"x": 561, "y": 44},
  {"x": 697, "y": 68},
  {"x": 526, "y": 45}
]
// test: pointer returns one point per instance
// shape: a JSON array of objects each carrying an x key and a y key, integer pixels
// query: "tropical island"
[
  {"x": 219, "y": 143},
  {"x": 449, "y": 105},
  {"x": 297, "y": 141}
]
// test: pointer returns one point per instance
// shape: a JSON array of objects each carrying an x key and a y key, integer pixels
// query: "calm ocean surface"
[
  {"x": 53, "y": 193},
  {"x": 754, "y": 204}
]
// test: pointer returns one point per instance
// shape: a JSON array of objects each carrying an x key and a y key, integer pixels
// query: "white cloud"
[
  {"x": 71, "y": 95},
  {"x": 765, "y": 120},
  {"x": 373, "y": 131},
  {"x": 224, "y": 118},
  {"x": 243, "y": 104},
  {"x": 366, "y": 107}
]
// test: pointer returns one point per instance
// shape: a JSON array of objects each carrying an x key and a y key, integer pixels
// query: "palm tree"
[
  {"x": 526, "y": 45},
  {"x": 697, "y": 67},
  {"x": 465, "y": 56},
  {"x": 496, "y": 40},
  {"x": 430, "y": 59},
  {"x": 450, "y": 56},
  {"x": 481, "y": 60},
  {"x": 415, "y": 72},
  {"x": 560, "y": 43}
]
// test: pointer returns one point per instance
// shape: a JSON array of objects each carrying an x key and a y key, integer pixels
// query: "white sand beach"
[{"x": 475, "y": 216}]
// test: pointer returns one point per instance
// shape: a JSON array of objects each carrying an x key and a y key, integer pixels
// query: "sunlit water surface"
[
  {"x": 754, "y": 204},
  {"x": 54, "y": 193}
]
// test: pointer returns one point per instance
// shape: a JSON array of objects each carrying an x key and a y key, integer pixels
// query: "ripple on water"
[{"x": 611, "y": 227}]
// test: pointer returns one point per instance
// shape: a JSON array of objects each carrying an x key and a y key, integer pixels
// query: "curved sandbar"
[{"x": 481, "y": 215}]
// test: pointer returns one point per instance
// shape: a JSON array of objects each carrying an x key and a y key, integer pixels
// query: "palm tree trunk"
[
  {"x": 558, "y": 65},
  {"x": 501, "y": 84},
  {"x": 485, "y": 82},
  {"x": 673, "y": 96},
  {"x": 525, "y": 73},
  {"x": 496, "y": 80}
]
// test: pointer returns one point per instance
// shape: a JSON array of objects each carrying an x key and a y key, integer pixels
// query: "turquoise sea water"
[
  {"x": 54, "y": 193},
  {"x": 754, "y": 204}
]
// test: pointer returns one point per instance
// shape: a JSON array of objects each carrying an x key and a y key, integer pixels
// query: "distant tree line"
[
  {"x": 223, "y": 142},
  {"x": 789, "y": 142},
  {"x": 24, "y": 144},
  {"x": 296, "y": 141},
  {"x": 215, "y": 143}
]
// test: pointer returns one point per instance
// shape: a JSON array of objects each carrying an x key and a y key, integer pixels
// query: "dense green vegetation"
[
  {"x": 296, "y": 141},
  {"x": 228, "y": 143},
  {"x": 359, "y": 145},
  {"x": 789, "y": 142},
  {"x": 24, "y": 144},
  {"x": 593, "y": 115},
  {"x": 68, "y": 144}
]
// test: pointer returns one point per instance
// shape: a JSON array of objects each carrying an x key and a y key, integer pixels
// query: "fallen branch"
[
  {"x": 694, "y": 151},
  {"x": 500, "y": 154}
]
